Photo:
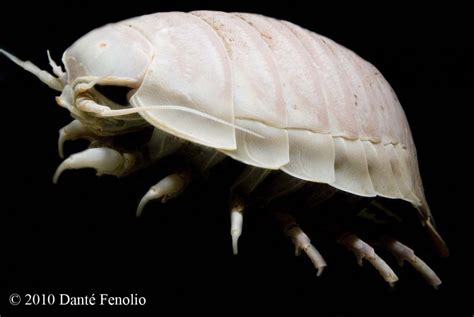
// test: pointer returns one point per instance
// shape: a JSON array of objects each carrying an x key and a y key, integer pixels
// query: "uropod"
[{"x": 306, "y": 116}]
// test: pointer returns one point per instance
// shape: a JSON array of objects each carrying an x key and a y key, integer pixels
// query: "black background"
[{"x": 81, "y": 237}]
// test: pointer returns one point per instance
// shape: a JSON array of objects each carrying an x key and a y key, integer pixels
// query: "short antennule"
[
  {"x": 44, "y": 76},
  {"x": 57, "y": 69}
]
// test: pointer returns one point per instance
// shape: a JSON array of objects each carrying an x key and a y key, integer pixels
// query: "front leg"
[
  {"x": 106, "y": 158},
  {"x": 73, "y": 131},
  {"x": 105, "y": 161}
]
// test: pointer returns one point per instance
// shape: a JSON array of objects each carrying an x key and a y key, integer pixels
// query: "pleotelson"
[{"x": 325, "y": 114}]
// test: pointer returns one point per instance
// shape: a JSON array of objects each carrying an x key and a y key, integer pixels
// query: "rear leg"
[
  {"x": 378, "y": 221},
  {"x": 364, "y": 251},
  {"x": 264, "y": 188},
  {"x": 237, "y": 207},
  {"x": 403, "y": 253},
  {"x": 301, "y": 241}
]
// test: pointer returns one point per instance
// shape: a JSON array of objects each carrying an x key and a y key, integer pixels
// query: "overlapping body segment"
[{"x": 323, "y": 113}]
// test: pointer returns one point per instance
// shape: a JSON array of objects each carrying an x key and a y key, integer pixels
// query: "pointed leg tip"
[
  {"x": 235, "y": 242},
  {"x": 56, "y": 176},
  {"x": 59, "y": 171},
  {"x": 435, "y": 281},
  {"x": 140, "y": 208},
  {"x": 320, "y": 271},
  {"x": 236, "y": 223},
  {"x": 145, "y": 200},
  {"x": 394, "y": 278},
  {"x": 166, "y": 188},
  {"x": 61, "y": 140}
]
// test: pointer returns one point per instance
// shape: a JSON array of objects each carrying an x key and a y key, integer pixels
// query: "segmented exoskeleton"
[{"x": 264, "y": 92}]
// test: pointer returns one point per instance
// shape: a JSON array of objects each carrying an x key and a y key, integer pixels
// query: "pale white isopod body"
[{"x": 265, "y": 92}]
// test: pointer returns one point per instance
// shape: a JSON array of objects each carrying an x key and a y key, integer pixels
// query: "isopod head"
[
  {"x": 115, "y": 55},
  {"x": 112, "y": 56}
]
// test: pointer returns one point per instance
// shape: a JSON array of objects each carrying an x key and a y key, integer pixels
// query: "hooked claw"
[
  {"x": 169, "y": 187},
  {"x": 73, "y": 131},
  {"x": 104, "y": 160}
]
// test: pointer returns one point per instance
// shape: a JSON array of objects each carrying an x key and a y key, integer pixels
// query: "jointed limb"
[
  {"x": 364, "y": 251},
  {"x": 301, "y": 241},
  {"x": 104, "y": 160},
  {"x": 403, "y": 253},
  {"x": 242, "y": 188},
  {"x": 167, "y": 188},
  {"x": 73, "y": 131},
  {"x": 237, "y": 207}
]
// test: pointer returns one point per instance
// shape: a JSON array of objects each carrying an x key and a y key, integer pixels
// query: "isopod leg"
[
  {"x": 403, "y": 253},
  {"x": 167, "y": 188},
  {"x": 73, "y": 131},
  {"x": 237, "y": 207},
  {"x": 103, "y": 160},
  {"x": 301, "y": 241},
  {"x": 242, "y": 188},
  {"x": 364, "y": 251}
]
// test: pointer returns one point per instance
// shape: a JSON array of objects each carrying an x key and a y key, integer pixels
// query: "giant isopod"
[{"x": 306, "y": 116}]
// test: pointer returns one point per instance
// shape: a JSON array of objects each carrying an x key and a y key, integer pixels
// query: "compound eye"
[{"x": 117, "y": 94}]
